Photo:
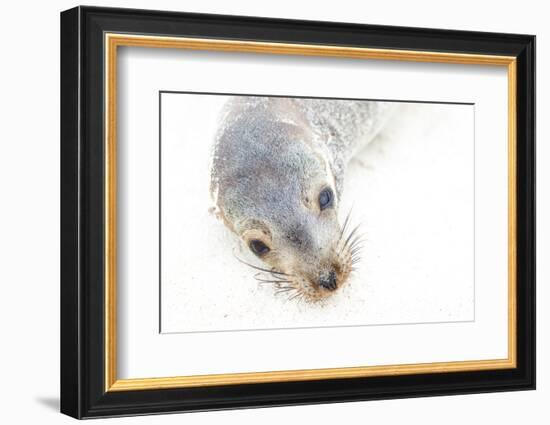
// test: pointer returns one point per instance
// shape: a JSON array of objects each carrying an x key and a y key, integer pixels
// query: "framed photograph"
[{"x": 261, "y": 212}]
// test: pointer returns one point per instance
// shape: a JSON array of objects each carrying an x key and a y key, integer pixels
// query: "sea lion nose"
[{"x": 328, "y": 281}]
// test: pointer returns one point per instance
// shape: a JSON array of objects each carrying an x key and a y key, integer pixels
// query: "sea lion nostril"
[{"x": 328, "y": 281}]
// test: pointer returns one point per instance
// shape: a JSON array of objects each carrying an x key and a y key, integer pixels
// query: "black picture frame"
[{"x": 83, "y": 392}]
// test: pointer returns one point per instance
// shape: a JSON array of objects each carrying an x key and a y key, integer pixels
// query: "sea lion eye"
[
  {"x": 325, "y": 198},
  {"x": 258, "y": 247}
]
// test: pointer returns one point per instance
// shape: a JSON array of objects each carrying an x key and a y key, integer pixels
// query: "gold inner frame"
[{"x": 113, "y": 41}]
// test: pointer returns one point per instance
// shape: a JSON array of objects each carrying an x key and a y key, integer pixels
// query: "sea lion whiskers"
[
  {"x": 262, "y": 279},
  {"x": 345, "y": 225},
  {"x": 262, "y": 269},
  {"x": 348, "y": 239}
]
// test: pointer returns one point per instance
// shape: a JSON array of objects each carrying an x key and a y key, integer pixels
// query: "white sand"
[{"x": 412, "y": 190}]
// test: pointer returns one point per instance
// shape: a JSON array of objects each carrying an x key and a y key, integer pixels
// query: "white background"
[
  {"x": 29, "y": 176},
  {"x": 403, "y": 276}
]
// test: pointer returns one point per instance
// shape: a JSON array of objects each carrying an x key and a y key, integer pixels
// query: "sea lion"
[{"x": 277, "y": 178}]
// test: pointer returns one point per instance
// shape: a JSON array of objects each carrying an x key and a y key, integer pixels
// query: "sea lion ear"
[
  {"x": 215, "y": 211},
  {"x": 220, "y": 215}
]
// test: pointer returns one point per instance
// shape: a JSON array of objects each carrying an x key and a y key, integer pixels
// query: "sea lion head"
[{"x": 275, "y": 188}]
